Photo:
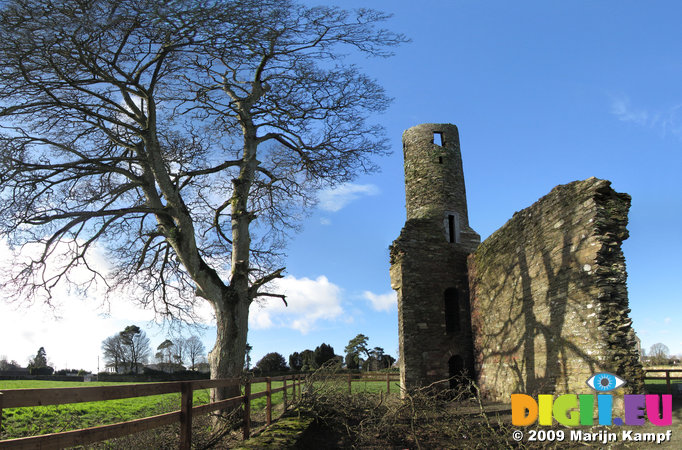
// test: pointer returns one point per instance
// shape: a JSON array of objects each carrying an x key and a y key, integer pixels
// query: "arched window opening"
[{"x": 451, "y": 311}]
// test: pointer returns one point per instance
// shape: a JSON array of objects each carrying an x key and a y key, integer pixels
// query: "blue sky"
[{"x": 543, "y": 93}]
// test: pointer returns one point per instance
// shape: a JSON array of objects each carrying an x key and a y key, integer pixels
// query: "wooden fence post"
[
  {"x": 186, "y": 415},
  {"x": 247, "y": 409},
  {"x": 300, "y": 381},
  {"x": 349, "y": 381},
  {"x": 0, "y": 414},
  {"x": 268, "y": 389},
  {"x": 284, "y": 393},
  {"x": 388, "y": 383},
  {"x": 667, "y": 381}
]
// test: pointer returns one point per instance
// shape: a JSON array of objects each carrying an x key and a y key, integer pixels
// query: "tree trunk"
[
  {"x": 227, "y": 357},
  {"x": 232, "y": 309}
]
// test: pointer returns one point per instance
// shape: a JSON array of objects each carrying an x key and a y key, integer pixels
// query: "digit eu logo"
[{"x": 574, "y": 410}]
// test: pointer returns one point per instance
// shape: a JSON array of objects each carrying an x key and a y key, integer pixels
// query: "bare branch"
[
  {"x": 268, "y": 294},
  {"x": 253, "y": 290}
]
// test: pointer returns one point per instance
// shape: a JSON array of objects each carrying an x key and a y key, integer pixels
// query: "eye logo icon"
[{"x": 604, "y": 382}]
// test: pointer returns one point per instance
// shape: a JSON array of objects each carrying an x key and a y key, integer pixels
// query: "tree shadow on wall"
[
  {"x": 558, "y": 298},
  {"x": 538, "y": 357}
]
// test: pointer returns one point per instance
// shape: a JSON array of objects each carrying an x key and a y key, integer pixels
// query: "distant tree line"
[
  {"x": 358, "y": 357},
  {"x": 37, "y": 365},
  {"x": 129, "y": 351},
  {"x": 309, "y": 360}
]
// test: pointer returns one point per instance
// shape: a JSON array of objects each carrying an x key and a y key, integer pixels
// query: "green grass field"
[{"x": 32, "y": 421}]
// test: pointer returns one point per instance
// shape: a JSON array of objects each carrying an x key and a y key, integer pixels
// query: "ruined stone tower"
[{"x": 429, "y": 259}]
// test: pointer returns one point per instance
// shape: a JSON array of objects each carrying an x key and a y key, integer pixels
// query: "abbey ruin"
[{"x": 538, "y": 307}]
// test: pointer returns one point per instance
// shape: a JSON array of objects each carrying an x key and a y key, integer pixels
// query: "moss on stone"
[{"x": 282, "y": 434}]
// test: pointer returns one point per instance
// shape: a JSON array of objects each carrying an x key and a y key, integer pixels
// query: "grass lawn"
[
  {"x": 374, "y": 387},
  {"x": 32, "y": 421}
]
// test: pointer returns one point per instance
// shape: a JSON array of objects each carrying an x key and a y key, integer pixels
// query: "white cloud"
[
  {"x": 325, "y": 221},
  {"x": 382, "y": 302},
  {"x": 73, "y": 329},
  {"x": 667, "y": 320},
  {"x": 309, "y": 302},
  {"x": 335, "y": 199},
  {"x": 622, "y": 109},
  {"x": 664, "y": 121}
]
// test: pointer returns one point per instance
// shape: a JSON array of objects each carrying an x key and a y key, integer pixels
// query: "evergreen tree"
[
  {"x": 271, "y": 363},
  {"x": 355, "y": 347},
  {"x": 40, "y": 359},
  {"x": 295, "y": 361},
  {"x": 323, "y": 353}
]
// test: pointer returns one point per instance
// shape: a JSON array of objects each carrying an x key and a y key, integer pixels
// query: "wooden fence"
[
  {"x": 667, "y": 377},
  {"x": 16, "y": 398}
]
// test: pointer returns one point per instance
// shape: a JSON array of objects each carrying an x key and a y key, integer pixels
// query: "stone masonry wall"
[
  {"x": 422, "y": 268},
  {"x": 434, "y": 178},
  {"x": 549, "y": 301}
]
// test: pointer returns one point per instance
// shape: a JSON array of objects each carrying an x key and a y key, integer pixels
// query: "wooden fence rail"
[
  {"x": 667, "y": 377},
  {"x": 15, "y": 398}
]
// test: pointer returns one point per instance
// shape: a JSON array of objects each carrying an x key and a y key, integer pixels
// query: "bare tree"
[
  {"x": 136, "y": 347},
  {"x": 8, "y": 365},
  {"x": 195, "y": 349},
  {"x": 183, "y": 138},
  {"x": 166, "y": 348},
  {"x": 659, "y": 354},
  {"x": 114, "y": 352},
  {"x": 180, "y": 350}
]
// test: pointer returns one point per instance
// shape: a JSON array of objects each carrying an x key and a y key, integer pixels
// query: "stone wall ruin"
[
  {"x": 549, "y": 303},
  {"x": 539, "y": 307}
]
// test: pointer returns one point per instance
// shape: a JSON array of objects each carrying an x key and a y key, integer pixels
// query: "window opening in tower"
[{"x": 438, "y": 138}]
